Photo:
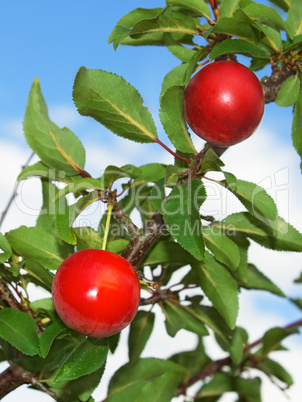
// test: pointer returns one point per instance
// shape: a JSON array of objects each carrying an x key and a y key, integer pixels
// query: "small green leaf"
[
  {"x": 265, "y": 15},
  {"x": 58, "y": 148},
  {"x": 182, "y": 317},
  {"x": 282, "y": 236},
  {"x": 256, "y": 200},
  {"x": 257, "y": 280},
  {"x": 283, "y": 4},
  {"x": 289, "y": 91},
  {"x": 66, "y": 218},
  {"x": 172, "y": 118},
  {"x": 49, "y": 335},
  {"x": 297, "y": 127},
  {"x": 43, "y": 275},
  {"x": 129, "y": 20},
  {"x": 238, "y": 46},
  {"x": 130, "y": 380},
  {"x": 273, "y": 368},
  {"x": 219, "y": 286},
  {"x": 158, "y": 195},
  {"x": 113, "y": 102},
  {"x": 224, "y": 382},
  {"x": 198, "y": 7},
  {"x": 294, "y": 18},
  {"x": 168, "y": 252},
  {"x": 272, "y": 339},
  {"x": 113, "y": 173},
  {"x": 19, "y": 329},
  {"x": 37, "y": 244},
  {"x": 87, "y": 237},
  {"x": 228, "y": 7},
  {"x": 223, "y": 248},
  {"x": 182, "y": 217},
  {"x": 239, "y": 340},
  {"x": 85, "y": 358},
  {"x": 5, "y": 248},
  {"x": 140, "y": 330},
  {"x": 170, "y": 20},
  {"x": 238, "y": 25},
  {"x": 39, "y": 169}
]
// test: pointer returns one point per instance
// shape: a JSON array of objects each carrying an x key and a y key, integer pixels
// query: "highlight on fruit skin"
[
  {"x": 96, "y": 292},
  {"x": 224, "y": 103}
]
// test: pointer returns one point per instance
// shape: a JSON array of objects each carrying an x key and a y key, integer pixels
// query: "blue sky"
[{"x": 51, "y": 40}]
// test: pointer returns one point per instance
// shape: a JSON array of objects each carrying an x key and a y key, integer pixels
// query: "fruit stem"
[
  {"x": 172, "y": 152},
  {"x": 109, "y": 211}
]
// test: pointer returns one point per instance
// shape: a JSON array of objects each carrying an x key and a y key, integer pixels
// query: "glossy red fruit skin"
[
  {"x": 96, "y": 292},
  {"x": 224, "y": 103}
]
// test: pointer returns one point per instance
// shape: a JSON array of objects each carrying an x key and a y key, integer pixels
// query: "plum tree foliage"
[{"x": 172, "y": 233}]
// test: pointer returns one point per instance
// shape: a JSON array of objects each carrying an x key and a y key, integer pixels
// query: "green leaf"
[
  {"x": 19, "y": 329},
  {"x": 66, "y": 218},
  {"x": 6, "y": 250},
  {"x": 39, "y": 272},
  {"x": 193, "y": 360},
  {"x": 49, "y": 335},
  {"x": 170, "y": 20},
  {"x": 161, "y": 389},
  {"x": 289, "y": 91},
  {"x": 210, "y": 317},
  {"x": 272, "y": 339},
  {"x": 274, "y": 369},
  {"x": 224, "y": 382},
  {"x": 238, "y": 25},
  {"x": 182, "y": 217},
  {"x": 228, "y": 7},
  {"x": 297, "y": 127},
  {"x": 257, "y": 280},
  {"x": 272, "y": 38},
  {"x": 182, "y": 317},
  {"x": 172, "y": 118},
  {"x": 79, "y": 186},
  {"x": 140, "y": 330},
  {"x": 282, "y": 236},
  {"x": 180, "y": 51},
  {"x": 57, "y": 148},
  {"x": 46, "y": 218},
  {"x": 238, "y": 46},
  {"x": 129, "y": 20},
  {"x": 198, "y": 7},
  {"x": 87, "y": 237},
  {"x": 158, "y": 195},
  {"x": 219, "y": 286},
  {"x": 113, "y": 102},
  {"x": 85, "y": 358},
  {"x": 223, "y": 248},
  {"x": 294, "y": 18},
  {"x": 283, "y": 4},
  {"x": 239, "y": 340},
  {"x": 39, "y": 245},
  {"x": 265, "y": 15},
  {"x": 166, "y": 253},
  {"x": 129, "y": 382},
  {"x": 113, "y": 173},
  {"x": 39, "y": 169},
  {"x": 256, "y": 200}
]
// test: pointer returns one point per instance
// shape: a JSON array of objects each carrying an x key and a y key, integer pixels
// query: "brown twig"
[
  {"x": 15, "y": 376},
  {"x": 217, "y": 365},
  {"x": 8, "y": 298}
]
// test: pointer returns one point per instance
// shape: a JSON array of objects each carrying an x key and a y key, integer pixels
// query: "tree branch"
[
  {"x": 15, "y": 376},
  {"x": 271, "y": 85},
  {"x": 8, "y": 298},
  {"x": 141, "y": 244},
  {"x": 216, "y": 366}
]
